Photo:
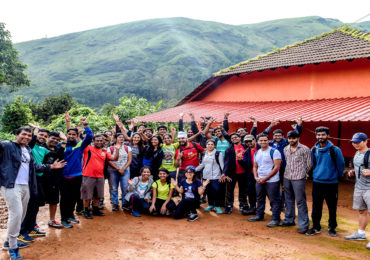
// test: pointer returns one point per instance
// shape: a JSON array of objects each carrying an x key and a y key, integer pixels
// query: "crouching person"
[
  {"x": 139, "y": 192},
  {"x": 162, "y": 195},
  {"x": 191, "y": 188}
]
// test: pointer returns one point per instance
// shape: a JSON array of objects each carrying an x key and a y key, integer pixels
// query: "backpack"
[
  {"x": 333, "y": 157},
  {"x": 217, "y": 157},
  {"x": 194, "y": 146},
  {"x": 366, "y": 162},
  {"x": 111, "y": 149},
  {"x": 271, "y": 153}
]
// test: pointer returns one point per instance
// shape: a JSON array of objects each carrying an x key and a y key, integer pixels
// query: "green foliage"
[
  {"x": 16, "y": 115},
  {"x": 52, "y": 106},
  {"x": 11, "y": 69},
  {"x": 131, "y": 107},
  {"x": 6, "y": 136}
]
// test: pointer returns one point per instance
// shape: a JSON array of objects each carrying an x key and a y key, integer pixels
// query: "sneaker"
[
  {"x": 96, "y": 212},
  {"x": 86, "y": 214},
  {"x": 303, "y": 231},
  {"x": 218, "y": 210},
  {"x": 54, "y": 224},
  {"x": 14, "y": 254},
  {"x": 287, "y": 224},
  {"x": 25, "y": 238},
  {"x": 368, "y": 245},
  {"x": 66, "y": 224},
  {"x": 19, "y": 244},
  {"x": 228, "y": 210},
  {"x": 332, "y": 232},
  {"x": 209, "y": 208},
  {"x": 126, "y": 206},
  {"x": 273, "y": 223},
  {"x": 256, "y": 218},
  {"x": 192, "y": 217},
  {"x": 135, "y": 213},
  {"x": 313, "y": 231},
  {"x": 37, "y": 233},
  {"x": 356, "y": 236},
  {"x": 74, "y": 220},
  {"x": 249, "y": 211},
  {"x": 115, "y": 207}
]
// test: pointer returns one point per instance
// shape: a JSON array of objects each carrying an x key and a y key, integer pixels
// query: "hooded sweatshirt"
[{"x": 325, "y": 170}]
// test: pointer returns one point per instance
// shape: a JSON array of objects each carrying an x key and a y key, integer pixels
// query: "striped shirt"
[{"x": 298, "y": 162}]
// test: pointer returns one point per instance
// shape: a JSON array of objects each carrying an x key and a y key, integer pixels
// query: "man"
[
  {"x": 93, "y": 174},
  {"x": 298, "y": 164},
  {"x": 108, "y": 138},
  {"x": 162, "y": 129},
  {"x": 234, "y": 172},
  {"x": 221, "y": 142},
  {"x": 187, "y": 154},
  {"x": 266, "y": 166},
  {"x": 328, "y": 167},
  {"x": 361, "y": 195},
  {"x": 17, "y": 182},
  {"x": 72, "y": 174}
]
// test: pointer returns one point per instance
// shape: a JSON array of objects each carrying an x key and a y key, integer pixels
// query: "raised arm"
[
  {"x": 181, "y": 122},
  {"x": 225, "y": 123},
  {"x": 121, "y": 127},
  {"x": 194, "y": 126},
  {"x": 254, "y": 127},
  {"x": 68, "y": 118},
  {"x": 272, "y": 124},
  {"x": 208, "y": 126},
  {"x": 88, "y": 132}
]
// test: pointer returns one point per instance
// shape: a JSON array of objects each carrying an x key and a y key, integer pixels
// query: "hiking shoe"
[
  {"x": 66, "y": 224},
  {"x": 37, "y": 233},
  {"x": 287, "y": 224},
  {"x": 74, "y": 220},
  {"x": 192, "y": 217},
  {"x": 135, "y": 213},
  {"x": 96, "y": 212},
  {"x": 126, "y": 206},
  {"x": 273, "y": 223},
  {"x": 209, "y": 208},
  {"x": 256, "y": 218},
  {"x": 218, "y": 210},
  {"x": 86, "y": 214},
  {"x": 228, "y": 210},
  {"x": 356, "y": 236},
  {"x": 14, "y": 254},
  {"x": 332, "y": 232},
  {"x": 54, "y": 224},
  {"x": 19, "y": 244},
  {"x": 25, "y": 238},
  {"x": 313, "y": 231},
  {"x": 115, "y": 207}
]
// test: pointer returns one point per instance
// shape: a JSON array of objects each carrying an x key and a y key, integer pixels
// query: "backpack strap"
[
  {"x": 272, "y": 153},
  {"x": 217, "y": 157},
  {"x": 196, "y": 147},
  {"x": 366, "y": 159},
  {"x": 314, "y": 160},
  {"x": 126, "y": 148},
  {"x": 333, "y": 155}
]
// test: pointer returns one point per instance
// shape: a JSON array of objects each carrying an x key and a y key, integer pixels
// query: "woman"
[
  {"x": 119, "y": 171},
  {"x": 162, "y": 194},
  {"x": 212, "y": 166},
  {"x": 137, "y": 147},
  {"x": 153, "y": 155},
  {"x": 139, "y": 192},
  {"x": 191, "y": 189}
]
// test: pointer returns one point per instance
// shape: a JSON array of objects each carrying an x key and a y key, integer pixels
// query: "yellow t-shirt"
[{"x": 162, "y": 190}]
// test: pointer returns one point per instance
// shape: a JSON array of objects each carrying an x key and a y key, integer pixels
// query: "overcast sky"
[{"x": 34, "y": 19}]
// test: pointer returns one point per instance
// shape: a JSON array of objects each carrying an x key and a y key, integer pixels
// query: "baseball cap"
[
  {"x": 182, "y": 135},
  {"x": 190, "y": 167},
  {"x": 249, "y": 138},
  {"x": 358, "y": 137}
]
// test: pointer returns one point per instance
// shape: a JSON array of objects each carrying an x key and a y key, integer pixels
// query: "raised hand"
[
  {"x": 58, "y": 164},
  {"x": 33, "y": 125},
  {"x": 174, "y": 182},
  {"x": 226, "y": 115},
  {"x": 67, "y": 116},
  {"x": 191, "y": 116},
  {"x": 62, "y": 136},
  {"x": 173, "y": 130},
  {"x": 83, "y": 120},
  {"x": 79, "y": 128},
  {"x": 115, "y": 117},
  {"x": 299, "y": 121},
  {"x": 181, "y": 115}
]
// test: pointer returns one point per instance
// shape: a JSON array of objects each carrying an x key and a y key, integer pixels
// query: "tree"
[
  {"x": 15, "y": 115},
  {"x": 11, "y": 69}
]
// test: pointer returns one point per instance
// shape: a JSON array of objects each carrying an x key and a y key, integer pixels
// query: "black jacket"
[
  {"x": 10, "y": 162},
  {"x": 230, "y": 160}
]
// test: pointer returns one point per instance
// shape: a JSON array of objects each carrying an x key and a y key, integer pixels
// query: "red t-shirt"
[
  {"x": 190, "y": 155},
  {"x": 253, "y": 151},
  {"x": 94, "y": 161},
  {"x": 239, "y": 149}
]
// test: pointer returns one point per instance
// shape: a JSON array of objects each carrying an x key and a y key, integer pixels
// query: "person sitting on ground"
[
  {"x": 139, "y": 192},
  {"x": 212, "y": 166},
  {"x": 361, "y": 195},
  {"x": 162, "y": 202},
  {"x": 191, "y": 188}
]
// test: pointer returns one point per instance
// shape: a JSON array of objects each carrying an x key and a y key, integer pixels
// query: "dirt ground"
[{"x": 119, "y": 235}]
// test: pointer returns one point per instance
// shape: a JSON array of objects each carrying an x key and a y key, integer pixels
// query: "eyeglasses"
[{"x": 248, "y": 141}]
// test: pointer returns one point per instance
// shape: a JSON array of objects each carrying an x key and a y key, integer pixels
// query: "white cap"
[{"x": 182, "y": 135}]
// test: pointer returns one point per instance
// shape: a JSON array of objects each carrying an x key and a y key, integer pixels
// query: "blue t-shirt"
[{"x": 190, "y": 190}]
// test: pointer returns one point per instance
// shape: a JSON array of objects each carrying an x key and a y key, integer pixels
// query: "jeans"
[
  {"x": 295, "y": 190},
  {"x": 70, "y": 195},
  {"x": 186, "y": 206},
  {"x": 329, "y": 193},
  {"x": 138, "y": 204},
  {"x": 214, "y": 193},
  {"x": 16, "y": 200},
  {"x": 272, "y": 190},
  {"x": 230, "y": 186},
  {"x": 116, "y": 180},
  {"x": 171, "y": 206}
]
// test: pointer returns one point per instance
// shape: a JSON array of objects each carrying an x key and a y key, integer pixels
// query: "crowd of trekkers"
[{"x": 170, "y": 173}]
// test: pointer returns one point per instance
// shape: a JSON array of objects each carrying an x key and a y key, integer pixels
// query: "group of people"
[{"x": 160, "y": 173}]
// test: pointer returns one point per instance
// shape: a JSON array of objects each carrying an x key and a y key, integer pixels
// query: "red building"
[{"x": 325, "y": 79}]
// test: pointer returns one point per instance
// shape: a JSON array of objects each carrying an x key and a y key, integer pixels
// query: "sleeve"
[
  {"x": 340, "y": 161},
  {"x": 226, "y": 162},
  {"x": 225, "y": 125},
  {"x": 267, "y": 130},
  {"x": 276, "y": 155},
  {"x": 118, "y": 130},
  {"x": 129, "y": 149},
  {"x": 226, "y": 135},
  {"x": 129, "y": 132},
  {"x": 298, "y": 128},
  {"x": 254, "y": 131},
  {"x": 199, "y": 183},
  {"x": 176, "y": 153},
  {"x": 32, "y": 143},
  {"x": 176, "y": 145},
  {"x": 194, "y": 127},
  {"x": 154, "y": 185},
  {"x": 221, "y": 160},
  {"x": 172, "y": 186},
  {"x": 307, "y": 159},
  {"x": 181, "y": 125},
  {"x": 88, "y": 138}
]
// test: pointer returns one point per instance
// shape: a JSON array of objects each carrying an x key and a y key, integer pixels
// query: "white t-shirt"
[
  {"x": 24, "y": 171},
  {"x": 266, "y": 164},
  {"x": 122, "y": 158}
]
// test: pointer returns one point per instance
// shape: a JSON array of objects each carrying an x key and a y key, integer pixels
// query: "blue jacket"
[
  {"x": 325, "y": 170},
  {"x": 73, "y": 155}
]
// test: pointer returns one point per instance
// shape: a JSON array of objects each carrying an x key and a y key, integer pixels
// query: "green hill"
[{"x": 156, "y": 59}]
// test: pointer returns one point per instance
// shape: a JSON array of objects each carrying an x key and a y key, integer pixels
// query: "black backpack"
[
  {"x": 366, "y": 162},
  {"x": 200, "y": 153}
]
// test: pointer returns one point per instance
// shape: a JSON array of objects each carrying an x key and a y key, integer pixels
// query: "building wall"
[{"x": 325, "y": 80}]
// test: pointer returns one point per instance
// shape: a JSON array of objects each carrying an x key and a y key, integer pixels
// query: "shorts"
[
  {"x": 51, "y": 190},
  {"x": 88, "y": 186},
  {"x": 361, "y": 199}
]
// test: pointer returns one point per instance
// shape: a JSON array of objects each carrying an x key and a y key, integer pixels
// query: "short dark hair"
[
  {"x": 119, "y": 134},
  {"x": 161, "y": 126},
  {"x": 43, "y": 130},
  {"x": 235, "y": 133},
  {"x": 54, "y": 133},
  {"x": 150, "y": 129},
  {"x": 293, "y": 134},
  {"x": 142, "y": 125},
  {"x": 72, "y": 129},
  {"x": 97, "y": 136},
  {"x": 278, "y": 131},
  {"x": 104, "y": 135},
  {"x": 164, "y": 170},
  {"x": 167, "y": 134},
  {"x": 145, "y": 167},
  {"x": 322, "y": 129},
  {"x": 262, "y": 135},
  {"x": 23, "y": 128},
  {"x": 245, "y": 129},
  {"x": 211, "y": 141},
  {"x": 108, "y": 131}
]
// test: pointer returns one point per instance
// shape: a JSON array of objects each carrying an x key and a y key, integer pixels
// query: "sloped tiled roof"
[{"x": 341, "y": 44}]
